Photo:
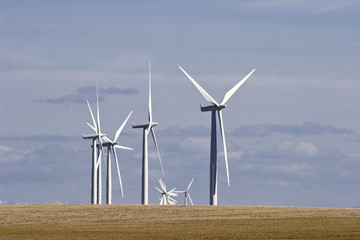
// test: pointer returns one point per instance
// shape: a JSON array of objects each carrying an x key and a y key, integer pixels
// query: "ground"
[{"x": 176, "y": 222}]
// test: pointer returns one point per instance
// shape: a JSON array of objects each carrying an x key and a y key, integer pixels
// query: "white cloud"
[
  {"x": 4, "y": 149},
  {"x": 290, "y": 148},
  {"x": 307, "y": 149},
  {"x": 234, "y": 155},
  {"x": 10, "y": 155},
  {"x": 286, "y": 145},
  {"x": 195, "y": 144}
]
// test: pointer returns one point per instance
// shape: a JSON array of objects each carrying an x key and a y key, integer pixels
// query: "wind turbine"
[
  {"x": 166, "y": 197},
  {"x": 112, "y": 145},
  {"x": 187, "y": 194},
  {"x": 216, "y": 107},
  {"x": 96, "y": 154},
  {"x": 147, "y": 127}
]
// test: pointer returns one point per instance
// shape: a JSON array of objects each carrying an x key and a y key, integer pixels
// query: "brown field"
[{"x": 176, "y": 222}]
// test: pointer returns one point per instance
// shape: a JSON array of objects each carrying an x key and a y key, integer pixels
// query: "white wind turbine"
[
  {"x": 166, "y": 196},
  {"x": 112, "y": 145},
  {"x": 187, "y": 194},
  {"x": 216, "y": 107},
  {"x": 147, "y": 127},
  {"x": 96, "y": 155}
]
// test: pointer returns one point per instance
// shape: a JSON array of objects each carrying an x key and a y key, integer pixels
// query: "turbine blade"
[
  {"x": 224, "y": 144},
  {"x": 118, "y": 170},
  {"x": 159, "y": 190},
  {"x": 174, "y": 194},
  {"x": 157, "y": 149},
  {"x": 97, "y": 110},
  {"x": 201, "y": 90},
  {"x": 171, "y": 201},
  {"x": 189, "y": 185},
  {"x": 100, "y": 142},
  {"x": 235, "y": 88},
  {"x": 91, "y": 113},
  {"x": 161, "y": 201},
  {"x": 93, "y": 128},
  {"x": 150, "y": 108},
  {"x": 162, "y": 185},
  {"x": 188, "y": 195},
  {"x": 122, "y": 147},
  {"x": 121, "y": 127},
  {"x": 99, "y": 159},
  {"x": 107, "y": 139}
]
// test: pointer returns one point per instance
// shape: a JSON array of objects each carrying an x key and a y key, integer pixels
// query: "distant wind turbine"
[
  {"x": 147, "y": 127},
  {"x": 187, "y": 194},
  {"x": 216, "y": 107},
  {"x": 96, "y": 155},
  {"x": 166, "y": 196},
  {"x": 112, "y": 145}
]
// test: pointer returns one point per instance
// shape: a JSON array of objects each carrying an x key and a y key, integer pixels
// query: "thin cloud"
[
  {"x": 42, "y": 138},
  {"x": 178, "y": 131},
  {"x": 88, "y": 93},
  {"x": 306, "y": 129}
]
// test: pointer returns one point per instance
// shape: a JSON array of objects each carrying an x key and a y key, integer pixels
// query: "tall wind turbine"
[
  {"x": 147, "y": 127},
  {"x": 96, "y": 154},
  {"x": 112, "y": 145},
  {"x": 216, "y": 107}
]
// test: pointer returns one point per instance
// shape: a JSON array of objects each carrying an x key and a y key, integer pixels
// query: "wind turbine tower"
[
  {"x": 214, "y": 108},
  {"x": 147, "y": 127}
]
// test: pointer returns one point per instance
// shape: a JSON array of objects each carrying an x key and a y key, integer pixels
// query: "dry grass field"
[{"x": 176, "y": 222}]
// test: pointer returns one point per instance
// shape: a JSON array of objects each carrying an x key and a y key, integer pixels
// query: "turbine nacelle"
[
  {"x": 144, "y": 125},
  {"x": 93, "y": 136},
  {"x": 212, "y": 108},
  {"x": 107, "y": 144}
]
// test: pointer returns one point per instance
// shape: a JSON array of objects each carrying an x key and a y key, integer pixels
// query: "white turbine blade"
[
  {"x": 100, "y": 142},
  {"x": 93, "y": 128},
  {"x": 161, "y": 201},
  {"x": 189, "y": 185},
  {"x": 121, "y": 127},
  {"x": 201, "y": 90},
  {"x": 122, "y": 147},
  {"x": 99, "y": 159},
  {"x": 118, "y": 170},
  {"x": 188, "y": 195},
  {"x": 162, "y": 185},
  {"x": 150, "y": 107},
  {"x": 224, "y": 144},
  {"x": 97, "y": 110},
  {"x": 171, "y": 200},
  {"x": 107, "y": 139},
  {"x": 101, "y": 154},
  {"x": 235, "y": 88},
  {"x": 157, "y": 149},
  {"x": 159, "y": 190},
  {"x": 172, "y": 190},
  {"x": 174, "y": 194},
  {"x": 92, "y": 115}
]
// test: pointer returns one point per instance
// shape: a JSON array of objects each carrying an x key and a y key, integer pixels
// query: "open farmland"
[{"x": 176, "y": 222}]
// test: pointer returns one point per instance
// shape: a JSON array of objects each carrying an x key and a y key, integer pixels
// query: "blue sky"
[{"x": 292, "y": 129}]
